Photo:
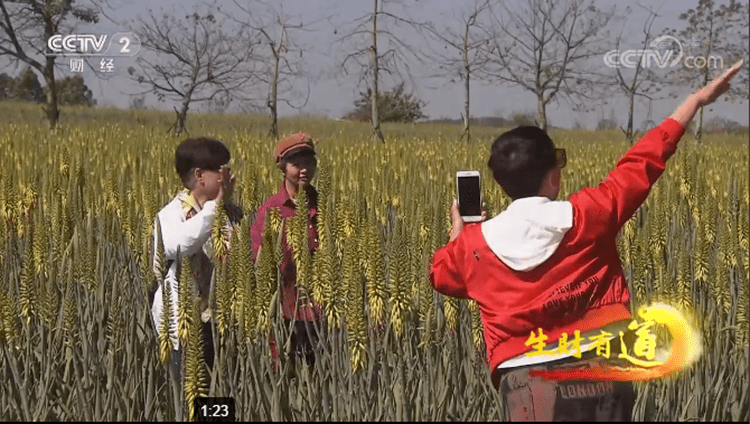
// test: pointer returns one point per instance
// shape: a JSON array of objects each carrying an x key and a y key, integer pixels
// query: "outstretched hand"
[
  {"x": 705, "y": 96},
  {"x": 718, "y": 86}
]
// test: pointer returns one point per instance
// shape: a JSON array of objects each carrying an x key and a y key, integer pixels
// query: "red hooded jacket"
[{"x": 553, "y": 264}]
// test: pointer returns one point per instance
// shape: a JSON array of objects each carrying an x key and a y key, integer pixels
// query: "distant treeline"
[
  {"x": 26, "y": 87},
  {"x": 715, "y": 125}
]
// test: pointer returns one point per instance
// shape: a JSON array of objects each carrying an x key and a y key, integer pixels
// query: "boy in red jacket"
[{"x": 554, "y": 265}]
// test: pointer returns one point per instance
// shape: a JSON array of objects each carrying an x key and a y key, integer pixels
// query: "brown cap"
[{"x": 293, "y": 144}]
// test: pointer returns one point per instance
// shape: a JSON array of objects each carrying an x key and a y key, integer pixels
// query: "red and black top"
[{"x": 306, "y": 310}]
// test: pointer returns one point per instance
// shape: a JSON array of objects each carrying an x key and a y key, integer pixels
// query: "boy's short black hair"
[
  {"x": 201, "y": 152},
  {"x": 520, "y": 159}
]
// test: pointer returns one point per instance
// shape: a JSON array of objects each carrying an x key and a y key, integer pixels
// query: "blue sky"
[{"x": 332, "y": 92}]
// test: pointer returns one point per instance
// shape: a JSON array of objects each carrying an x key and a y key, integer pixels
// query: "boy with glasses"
[
  {"x": 186, "y": 225},
  {"x": 554, "y": 265}
]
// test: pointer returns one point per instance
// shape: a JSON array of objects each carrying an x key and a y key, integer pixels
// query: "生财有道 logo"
[{"x": 685, "y": 349}]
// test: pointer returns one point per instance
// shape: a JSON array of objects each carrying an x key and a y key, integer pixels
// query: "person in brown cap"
[{"x": 295, "y": 156}]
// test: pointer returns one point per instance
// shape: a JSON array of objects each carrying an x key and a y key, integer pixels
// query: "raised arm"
[
  {"x": 189, "y": 235},
  {"x": 608, "y": 206},
  {"x": 705, "y": 96}
]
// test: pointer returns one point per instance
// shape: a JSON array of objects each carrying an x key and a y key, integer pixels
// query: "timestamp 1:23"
[{"x": 215, "y": 409}]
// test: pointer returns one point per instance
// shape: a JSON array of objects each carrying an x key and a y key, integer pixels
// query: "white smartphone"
[{"x": 469, "y": 188}]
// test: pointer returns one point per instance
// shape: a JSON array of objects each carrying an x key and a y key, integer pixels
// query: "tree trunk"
[
  {"x": 467, "y": 86},
  {"x": 699, "y": 127},
  {"x": 182, "y": 114},
  {"x": 467, "y": 122},
  {"x": 377, "y": 133},
  {"x": 629, "y": 129},
  {"x": 182, "y": 117},
  {"x": 273, "y": 102},
  {"x": 541, "y": 110},
  {"x": 51, "y": 109}
]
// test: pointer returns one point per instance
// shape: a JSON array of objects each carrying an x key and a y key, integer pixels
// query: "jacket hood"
[{"x": 529, "y": 231}]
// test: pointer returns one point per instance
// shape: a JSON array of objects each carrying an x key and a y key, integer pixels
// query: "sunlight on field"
[{"x": 77, "y": 207}]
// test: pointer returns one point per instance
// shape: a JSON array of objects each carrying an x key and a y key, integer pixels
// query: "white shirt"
[{"x": 189, "y": 236}]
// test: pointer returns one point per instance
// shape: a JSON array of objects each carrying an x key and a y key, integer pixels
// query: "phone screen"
[{"x": 469, "y": 201}]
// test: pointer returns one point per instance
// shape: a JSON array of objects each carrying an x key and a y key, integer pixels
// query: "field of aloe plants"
[{"x": 76, "y": 213}]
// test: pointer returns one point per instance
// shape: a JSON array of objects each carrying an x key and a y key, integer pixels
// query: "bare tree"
[
  {"x": 27, "y": 25},
  {"x": 197, "y": 59},
  {"x": 642, "y": 82},
  {"x": 725, "y": 38},
  {"x": 544, "y": 47},
  {"x": 375, "y": 71},
  {"x": 371, "y": 59},
  {"x": 462, "y": 51},
  {"x": 283, "y": 58}
]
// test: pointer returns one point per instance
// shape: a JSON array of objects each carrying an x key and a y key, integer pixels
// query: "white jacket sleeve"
[{"x": 189, "y": 235}]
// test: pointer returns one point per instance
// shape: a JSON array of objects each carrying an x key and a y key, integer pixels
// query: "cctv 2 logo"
[{"x": 120, "y": 44}]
